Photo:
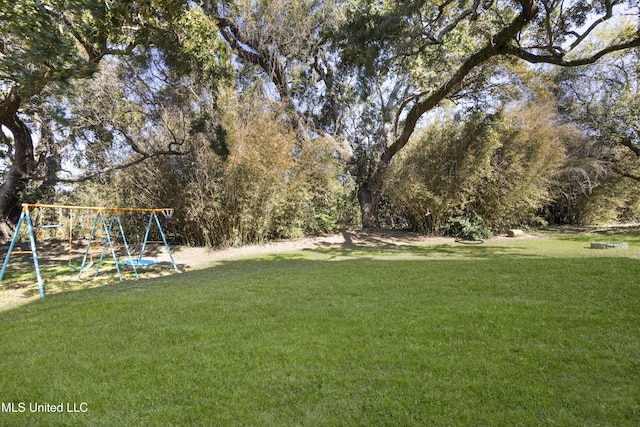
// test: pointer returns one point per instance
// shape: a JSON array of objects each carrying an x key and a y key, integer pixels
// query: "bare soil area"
[{"x": 191, "y": 257}]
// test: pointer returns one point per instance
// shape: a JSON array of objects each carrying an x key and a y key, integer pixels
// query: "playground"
[
  {"x": 88, "y": 238},
  {"x": 19, "y": 285}
]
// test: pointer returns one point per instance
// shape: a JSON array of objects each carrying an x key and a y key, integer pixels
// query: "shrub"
[
  {"x": 501, "y": 166},
  {"x": 262, "y": 186},
  {"x": 467, "y": 227}
]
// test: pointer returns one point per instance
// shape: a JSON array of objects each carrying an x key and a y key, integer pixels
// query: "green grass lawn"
[{"x": 530, "y": 332}]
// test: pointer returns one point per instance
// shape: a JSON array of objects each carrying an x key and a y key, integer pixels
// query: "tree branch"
[
  {"x": 125, "y": 165},
  {"x": 493, "y": 48},
  {"x": 635, "y": 149},
  {"x": 473, "y": 10},
  {"x": 625, "y": 174},
  {"x": 594, "y": 25},
  {"x": 267, "y": 58},
  {"x": 88, "y": 48},
  {"x": 560, "y": 59},
  {"x": 231, "y": 34}
]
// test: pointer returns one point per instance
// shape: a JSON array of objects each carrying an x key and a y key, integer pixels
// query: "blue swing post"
[
  {"x": 99, "y": 221},
  {"x": 24, "y": 216},
  {"x": 164, "y": 239}
]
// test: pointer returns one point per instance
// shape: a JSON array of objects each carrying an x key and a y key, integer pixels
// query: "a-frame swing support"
[
  {"x": 99, "y": 221},
  {"x": 25, "y": 217}
]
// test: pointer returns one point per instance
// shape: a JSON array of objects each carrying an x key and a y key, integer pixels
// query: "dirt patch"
[
  {"x": 202, "y": 257},
  {"x": 604, "y": 230},
  {"x": 196, "y": 257}
]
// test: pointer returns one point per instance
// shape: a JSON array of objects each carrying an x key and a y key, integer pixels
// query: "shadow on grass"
[
  {"x": 588, "y": 235},
  {"x": 59, "y": 277},
  {"x": 353, "y": 271},
  {"x": 453, "y": 250}
]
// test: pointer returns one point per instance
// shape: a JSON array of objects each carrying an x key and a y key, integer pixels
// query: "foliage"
[
  {"x": 445, "y": 49},
  {"x": 48, "y": 46},
  {"x": 603, "y": 100},
  {"x": 264, "y": 188},
  {"x": 501, "y": 166},
  {"x": 436, "y": 177},
  {"x": 614, "y": 200},
  {"x": 469, "y": 227},
  {"x": 286, "y": 42},
  {"x": 352, "y": 80},
  {"x": 57, "y": 41},
  {"x": 526, "y": 166}
]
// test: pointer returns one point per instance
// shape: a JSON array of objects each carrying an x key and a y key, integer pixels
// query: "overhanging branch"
[
  {"x": 130, "y": 163},
  {"x": 493, "y": 48},
  {"x": 560, "y": 59},
  {"x": 625, "y": 174}
]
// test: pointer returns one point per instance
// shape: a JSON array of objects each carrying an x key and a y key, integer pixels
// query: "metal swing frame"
[
  {"x": 26, "y": 218},
  {"x": 99, "y": 221},
  {"x": 139, "y": 261}
]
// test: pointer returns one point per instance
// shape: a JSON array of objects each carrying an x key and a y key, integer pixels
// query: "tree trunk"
[
  {"x": 18, "y": 175},
  {"x": 48, "y": 162},
  {"x": 369, "y": 203},
  {"x": 370, "y": 185}
]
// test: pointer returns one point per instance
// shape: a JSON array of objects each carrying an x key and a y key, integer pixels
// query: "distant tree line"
[{"x": 267, "y": 119}]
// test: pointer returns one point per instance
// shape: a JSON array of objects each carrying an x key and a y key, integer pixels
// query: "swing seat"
[
  {"x": 138, "y": 262},
  {"x": 81, "y": 269}
]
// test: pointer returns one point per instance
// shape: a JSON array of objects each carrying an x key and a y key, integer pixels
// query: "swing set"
[{"x": 106, "y": 224}]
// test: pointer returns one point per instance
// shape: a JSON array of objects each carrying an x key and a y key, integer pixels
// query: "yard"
[{"x": 534, "y": 331}]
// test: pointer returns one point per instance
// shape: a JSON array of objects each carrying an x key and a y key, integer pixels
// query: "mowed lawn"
[{"x": 532, "y": 332}]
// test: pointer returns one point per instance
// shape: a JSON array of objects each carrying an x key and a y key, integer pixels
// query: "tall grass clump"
[{"x": 245, "y": 180}]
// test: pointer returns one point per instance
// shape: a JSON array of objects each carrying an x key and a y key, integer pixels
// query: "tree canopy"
[
  {"x": 46, "y": 46},
  {"x": 362, "y": 78}
]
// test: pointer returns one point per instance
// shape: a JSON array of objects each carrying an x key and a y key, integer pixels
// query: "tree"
[
  {"x": 604, "y": 99},
  {"x": 125, "y": 116},
  {"x": 381, "y": 67},
  {"x": 439, "y": 173},
  {"x": 444, "y": 45},
  {"x": 285, "y": 40},
  {"x": 47, "y": 45}
]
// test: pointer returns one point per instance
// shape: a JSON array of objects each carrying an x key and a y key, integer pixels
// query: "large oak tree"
[{"x": 409, "y": 57}]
